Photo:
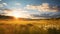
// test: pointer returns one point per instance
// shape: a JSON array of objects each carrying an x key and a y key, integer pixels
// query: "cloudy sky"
[{"x": 34, "y": 9}]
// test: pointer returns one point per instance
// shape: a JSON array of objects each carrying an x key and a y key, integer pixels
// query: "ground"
[{"x": 20, "y": 26}]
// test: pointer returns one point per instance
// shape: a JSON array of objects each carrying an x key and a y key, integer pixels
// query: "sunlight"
[{"x": 15, "y": 14}]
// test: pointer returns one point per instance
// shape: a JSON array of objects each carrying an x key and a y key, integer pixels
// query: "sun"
[{"x": 15, "y": 14}]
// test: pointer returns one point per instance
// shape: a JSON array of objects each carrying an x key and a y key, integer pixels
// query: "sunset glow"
[{"x": 15, "y": 14}]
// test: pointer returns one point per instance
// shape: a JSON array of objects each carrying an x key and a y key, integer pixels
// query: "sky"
[{"x": 33, "y": 9}]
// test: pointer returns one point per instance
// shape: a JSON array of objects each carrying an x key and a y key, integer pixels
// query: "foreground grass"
[{"x": 30, "y": 26}]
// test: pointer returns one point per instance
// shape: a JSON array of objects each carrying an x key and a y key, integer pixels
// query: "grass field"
[{"x": 17, "y": 26}]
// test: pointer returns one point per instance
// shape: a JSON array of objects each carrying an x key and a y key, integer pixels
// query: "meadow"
[{"x": 23, "y": 26}]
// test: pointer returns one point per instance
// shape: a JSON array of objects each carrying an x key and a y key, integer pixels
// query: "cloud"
[
  {"x": 46, "y": 11},
  {"x": 18, "y": 12},
  {"x": 1, "y": 5},
  {"x": 45, "y": 16},
  {"x": 17, "y": 4},
  {"x": 24, "y": 14},
  {"x": 0, "y": 0},
  {"x": 43, "y": 7},
  {"x": 1, "y": 11},
  {"x": 5, "y": 4}
]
